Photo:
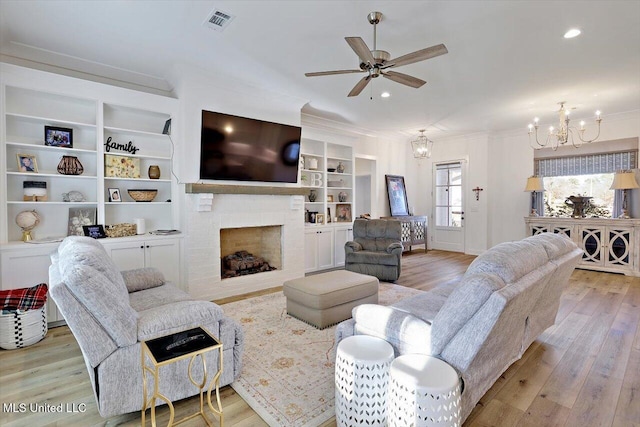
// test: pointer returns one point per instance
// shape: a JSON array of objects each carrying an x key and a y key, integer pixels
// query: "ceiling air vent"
[{"x": 218, "y": 20}]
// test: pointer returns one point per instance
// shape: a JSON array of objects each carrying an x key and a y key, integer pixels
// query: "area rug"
[{"x": 288, "y": 366}]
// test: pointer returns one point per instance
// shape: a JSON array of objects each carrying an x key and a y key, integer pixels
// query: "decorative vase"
[
  {"x": 312, "y": 195},
  {"x": 311, "y": 163},
  {"x": 154, "y": 172},
  {"x": 70, "y": 165},
  {"x": 340, "y": 168},
  {"x": 342, "y": 196}
]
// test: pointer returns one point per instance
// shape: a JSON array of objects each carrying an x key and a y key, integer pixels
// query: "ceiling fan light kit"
[{"x": 376, "y": 62}]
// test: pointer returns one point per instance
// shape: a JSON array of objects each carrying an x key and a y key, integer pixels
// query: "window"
[
  {"x": 585, "y": 174},
  {"x": 449, "y": 195},
  {"x": 558, "y": 188}
]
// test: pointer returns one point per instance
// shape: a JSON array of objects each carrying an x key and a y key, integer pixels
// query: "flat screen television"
[{"x": 237, "y": 148}]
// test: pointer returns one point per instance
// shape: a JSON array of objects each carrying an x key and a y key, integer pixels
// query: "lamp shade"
[
  {"x": 624, "y": 181},
  {"x": 534, "y": 183}
]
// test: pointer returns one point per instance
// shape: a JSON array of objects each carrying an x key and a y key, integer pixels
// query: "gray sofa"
[
  {"x": 110, "y": 313},
  {"x": 376, "y": 249},
  {"x": 481, "y": 325}
]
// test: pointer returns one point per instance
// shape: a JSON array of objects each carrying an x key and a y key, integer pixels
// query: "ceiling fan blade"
[
  {"x": 329, "y": 73},
  {"x": 405, "y": 79},
  {"x": 361, "y": 49},
  {"x": 359, "y": 86},
  {"x": 417, "y": 56}
]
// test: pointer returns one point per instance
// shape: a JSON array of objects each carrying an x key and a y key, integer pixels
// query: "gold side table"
[{"x": 170, "y": 349}]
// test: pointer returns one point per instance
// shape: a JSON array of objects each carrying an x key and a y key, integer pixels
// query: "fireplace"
[
  {"x": 207, "y": 227},
  {"x": 250, "y": 250}
]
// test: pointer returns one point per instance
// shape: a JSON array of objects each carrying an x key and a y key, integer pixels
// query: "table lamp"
[
  {"x": 624, "y": 180},
  {"x": 535, "y": 185}
]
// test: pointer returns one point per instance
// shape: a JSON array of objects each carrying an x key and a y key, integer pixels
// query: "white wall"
[
  {"x": 197, "y": 91},
  {"x": 500, "y": 163},
  {"x": 510, "y": 162},
  {"x": 474, "y": 150},
  {"x": 391, "y": 159}
]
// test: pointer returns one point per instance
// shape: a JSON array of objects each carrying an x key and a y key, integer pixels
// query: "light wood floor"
[{"x": 584, "y": 371}]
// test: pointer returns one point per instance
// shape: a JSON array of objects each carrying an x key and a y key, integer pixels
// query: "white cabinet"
[
  {"x": 161, "y": 253},
  {"x": 342, "y": 236},
  {"x": 608, "y": 244},
  {"x": 319, "y": 249},
  {"x": 21, "y": 268}
]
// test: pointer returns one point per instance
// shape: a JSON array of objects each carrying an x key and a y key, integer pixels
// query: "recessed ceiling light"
[
  {"x": 574, "y": 32},
  {"x": 385, "y": 94}
]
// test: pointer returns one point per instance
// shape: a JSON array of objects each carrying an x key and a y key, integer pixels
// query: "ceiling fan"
[{"x": 376, "y": 63}]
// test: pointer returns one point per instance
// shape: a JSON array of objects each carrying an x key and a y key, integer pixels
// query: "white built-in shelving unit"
[
  {"x": 31, "y": 100},
  {"x": 324, "y": 242}
]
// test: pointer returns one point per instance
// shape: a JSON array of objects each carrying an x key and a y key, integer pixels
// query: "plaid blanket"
[{"x": 31, "y": 298}]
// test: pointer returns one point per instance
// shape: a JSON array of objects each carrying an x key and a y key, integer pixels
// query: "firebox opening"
[{"x": 250, "y": 250}]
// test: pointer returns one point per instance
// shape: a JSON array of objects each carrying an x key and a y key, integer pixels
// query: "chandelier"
[
  {"x": 422, "y": 146},
  {"x": 564, "y": 133}
]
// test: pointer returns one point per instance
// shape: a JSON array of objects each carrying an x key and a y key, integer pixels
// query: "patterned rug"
[{"x": 288, "y": 366}]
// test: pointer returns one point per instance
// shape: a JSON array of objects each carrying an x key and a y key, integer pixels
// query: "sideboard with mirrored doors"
[{"x": 611, "y": 245}]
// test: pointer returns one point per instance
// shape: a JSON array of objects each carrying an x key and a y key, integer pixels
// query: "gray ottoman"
[{"x": 325, "y": 299}]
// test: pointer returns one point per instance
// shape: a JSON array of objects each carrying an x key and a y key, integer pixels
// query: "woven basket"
[
  {"x": 142, "y": 195},
  {"x": 120, "y": 230},
  {"x": 22, "y": 328}
]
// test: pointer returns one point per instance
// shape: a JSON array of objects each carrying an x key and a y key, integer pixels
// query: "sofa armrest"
[
  {"x": 395, "y": 248},
  {"x": 405, "y": 332},
  {"x": 352, "y": 247},
  {"x": 175, "y": 317},
  {"x": 140, "y": 279}
]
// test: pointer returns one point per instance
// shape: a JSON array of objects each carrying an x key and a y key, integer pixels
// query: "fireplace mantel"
[{"x": 195, "y": 188}]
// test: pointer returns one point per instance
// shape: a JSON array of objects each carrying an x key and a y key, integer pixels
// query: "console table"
[
  {"x": 414, "y": 230},
  {"x": 611, "y": 245}
]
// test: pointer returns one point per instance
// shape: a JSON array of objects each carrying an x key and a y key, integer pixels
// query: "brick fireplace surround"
[{"x": 237, "y": 211}]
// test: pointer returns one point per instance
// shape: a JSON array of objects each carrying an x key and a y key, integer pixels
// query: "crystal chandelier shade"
[
  {"x": 422, "y": 146},
  {"x": 564, "y": 133}
]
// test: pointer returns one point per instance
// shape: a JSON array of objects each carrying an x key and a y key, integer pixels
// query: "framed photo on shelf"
[
  {"x": 58, "y": 137},
  {"x": 27, "y": 163},
  {"x": 330, "y": 198},
  {"x": 397, "y": 195},
  {"x": 320, "y": 219},
  {"x": 78, "y": 218},
  {"x": 114, "y": 195},
  {"x": 343, "y": 212}
]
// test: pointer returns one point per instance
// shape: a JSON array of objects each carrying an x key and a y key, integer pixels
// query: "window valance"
[{"x": 587, "y": 164}]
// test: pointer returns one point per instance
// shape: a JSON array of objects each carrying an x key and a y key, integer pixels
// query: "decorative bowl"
[
  {"x": 142, "y": 195},
  {"x": 331, "y": 169}
]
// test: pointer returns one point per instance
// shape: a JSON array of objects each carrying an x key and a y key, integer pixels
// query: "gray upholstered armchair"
[
  {"x": 376, "y": 248},
  {"x": 110, "y": 313}
]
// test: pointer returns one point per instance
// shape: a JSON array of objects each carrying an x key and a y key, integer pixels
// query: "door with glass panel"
[{"x": 448, "y": 208}]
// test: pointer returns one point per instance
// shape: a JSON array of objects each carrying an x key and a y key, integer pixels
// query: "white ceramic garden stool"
[
  {"x": 362, "y": 379},
  {"x": 423, "y": 391}
]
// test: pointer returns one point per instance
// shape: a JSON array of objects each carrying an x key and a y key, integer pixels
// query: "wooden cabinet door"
[
  {"x": 310, "y": 251},
  {"x": 165, "y": 256},
  {"x": 127, "y": 255},
  {"x": 342, "y": 236},
  {"x": 325, "y": 249}
]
